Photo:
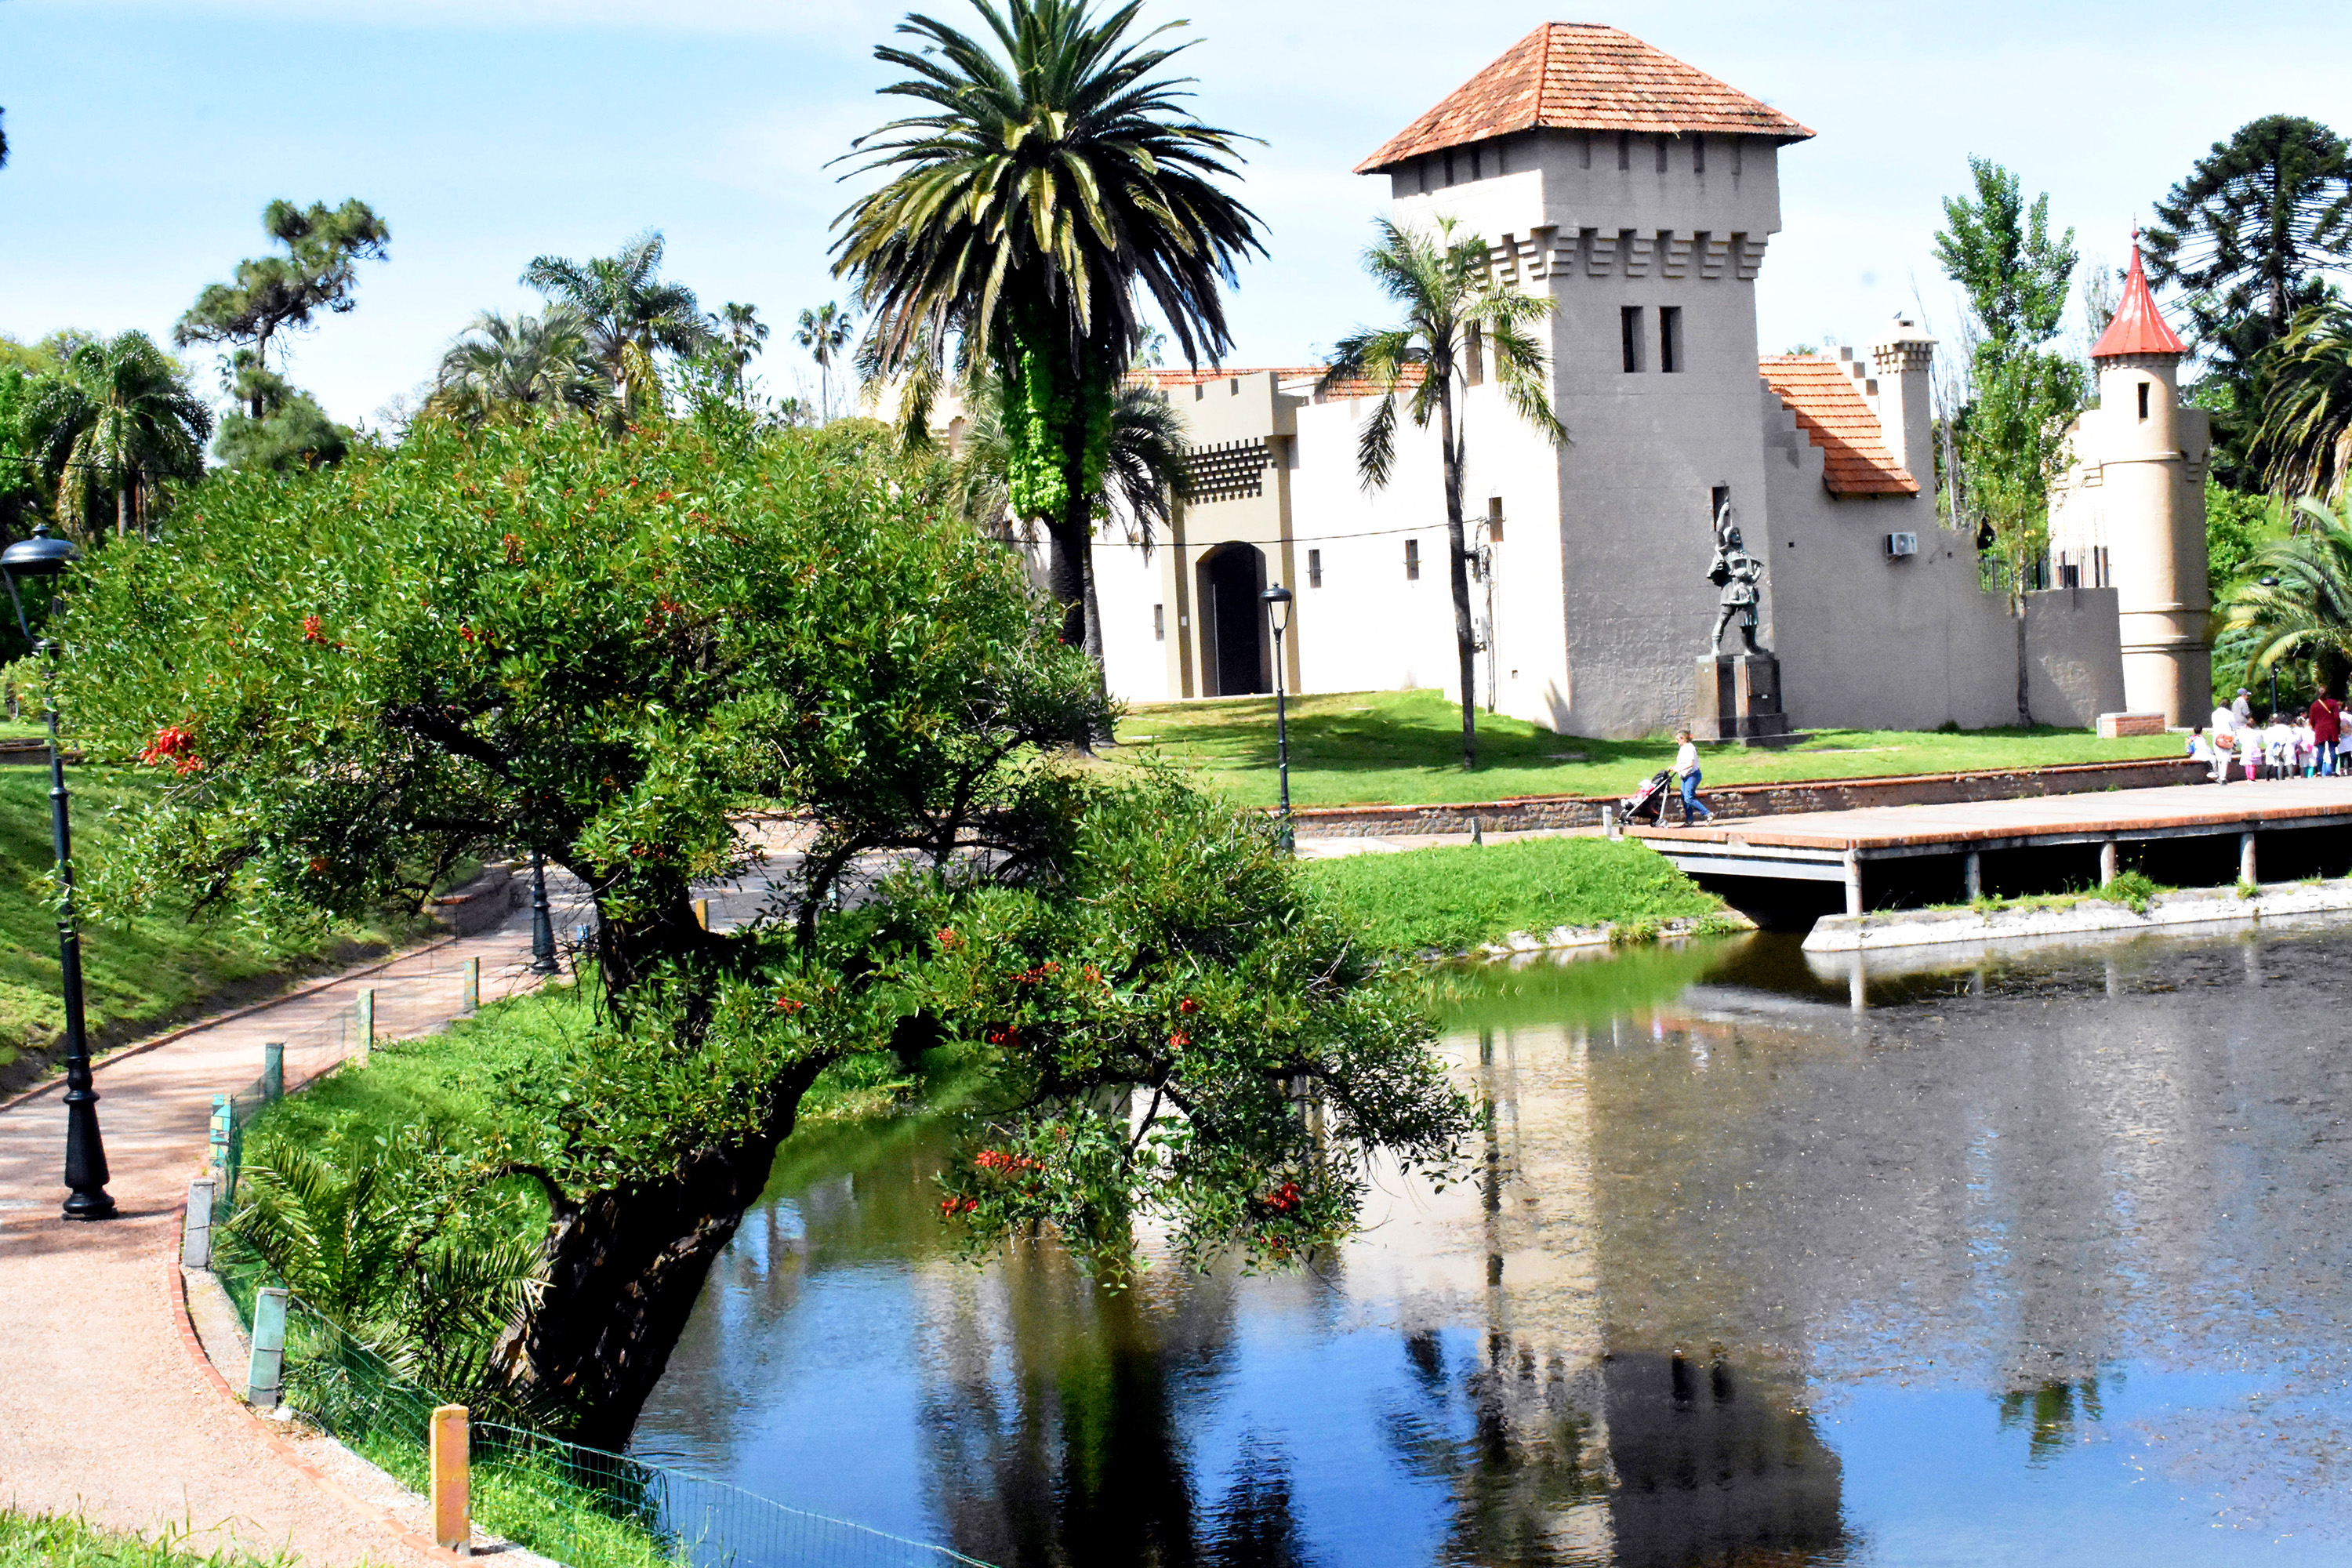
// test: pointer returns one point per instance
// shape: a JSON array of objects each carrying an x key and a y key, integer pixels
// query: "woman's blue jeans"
[{"x": 1691, "y": 807}]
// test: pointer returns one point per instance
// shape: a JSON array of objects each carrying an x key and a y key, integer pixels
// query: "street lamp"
[
  {"x": 543, "y": 929},
  {"x": 1277, "y": 614},
  {"x": 42, "y": 557},
  {"x": 2272, "y": 582}
]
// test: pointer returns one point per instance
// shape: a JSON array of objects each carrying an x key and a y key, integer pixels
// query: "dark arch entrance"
[{"x": 1237, "y": 657}]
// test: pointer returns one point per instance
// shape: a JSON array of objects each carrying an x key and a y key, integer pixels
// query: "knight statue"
[{"x": 1741, "y": 576}]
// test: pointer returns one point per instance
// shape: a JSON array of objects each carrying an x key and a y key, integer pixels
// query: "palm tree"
[
  {"x": 502, "y": 364},
  {"x": 1026, "y": 217},
  {"x": 2303, "y": 443},
  {"x": 629, "y": 315},
  {"x": 824, "y": 332},
  {"x": 121, "y": 419},
  {"x": 738, "y": 334},
  {"x": 2297, "y": 600},
  {"x": 1460, "y": 326}
]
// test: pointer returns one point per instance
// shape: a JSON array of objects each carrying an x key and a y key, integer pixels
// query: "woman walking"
[{"x": 1686, "y": 774}]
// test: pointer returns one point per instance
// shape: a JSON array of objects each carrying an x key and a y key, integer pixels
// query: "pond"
[{"x": 2039, "y": 1260}]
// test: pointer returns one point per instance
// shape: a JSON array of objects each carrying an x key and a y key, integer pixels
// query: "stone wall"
[{"x": 1526, "y": 813}]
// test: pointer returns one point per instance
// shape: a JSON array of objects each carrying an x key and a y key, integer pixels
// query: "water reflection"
[{"x": 2046, "y": 1247}]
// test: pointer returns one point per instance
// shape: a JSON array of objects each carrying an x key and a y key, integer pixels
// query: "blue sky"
[{"x": 146, "y": 138}]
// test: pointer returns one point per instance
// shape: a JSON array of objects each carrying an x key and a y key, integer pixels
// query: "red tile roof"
[
  {"x": 2138, "y": 326},
  {"x": 1580, "y": 76},
  {"x": 1830, "y": 409}
]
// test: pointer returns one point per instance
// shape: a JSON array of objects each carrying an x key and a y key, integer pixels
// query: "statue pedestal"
[{"x": 1739, "y": 700}]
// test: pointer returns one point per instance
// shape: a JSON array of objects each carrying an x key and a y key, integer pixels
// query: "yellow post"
[
  {"x": 453, "y": 1527},
  {"x": 702, "y": 913}
]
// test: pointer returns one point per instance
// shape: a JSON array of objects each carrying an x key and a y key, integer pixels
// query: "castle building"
[
  {"x": 2130, "y": 509},
  {"x": 1640, "y": 197}
]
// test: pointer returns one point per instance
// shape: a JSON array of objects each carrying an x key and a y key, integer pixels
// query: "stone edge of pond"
[
  {"x": 2207, "y": 907},
  {"x": 1631, "y": 933}
]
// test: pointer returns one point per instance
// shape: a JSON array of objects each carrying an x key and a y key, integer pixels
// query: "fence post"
[
  {"x": 263, "y": 1375},
  {"x": 219, "y": 1137},
  {"x": 453, "y": 1527},
  {"x": 273, "y": 1070},
  {"x": 197, "y": 1232},
  {"x": 365, "y": 1024},
  {"x": 473, "y": 984}
]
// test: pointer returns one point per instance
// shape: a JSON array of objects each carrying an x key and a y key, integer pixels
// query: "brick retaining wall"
[{"x": 1526, "y": 812}]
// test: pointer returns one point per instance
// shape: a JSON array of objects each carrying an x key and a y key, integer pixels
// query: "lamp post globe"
[
  {"x": 41, "y": 558},
  {"x": 1277, "y": 601}
]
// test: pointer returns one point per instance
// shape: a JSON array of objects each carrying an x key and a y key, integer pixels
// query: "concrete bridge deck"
[{"x": 1840, "y": 846}]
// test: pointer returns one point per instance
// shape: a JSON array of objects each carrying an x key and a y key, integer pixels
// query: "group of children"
[{"x": 2271, "y": 746}]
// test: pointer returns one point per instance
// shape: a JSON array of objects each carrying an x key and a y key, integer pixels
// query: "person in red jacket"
[{"x": 2326, "y": 731}]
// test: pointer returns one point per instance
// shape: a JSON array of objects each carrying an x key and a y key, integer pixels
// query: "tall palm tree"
[
  {"x": 630, "y": 314},
  {"x": 504, "y": 364},
  {"x": 1054, "y": 183},
  {"x": 824, "y": 332},
  {"x": 739, "y": 335},
  {"x": 2303, "y": 443},
  {"x": 1460, "y": 326},
  {"x": 2306, "y": 610},
  {"x": 120, "y": 420}
]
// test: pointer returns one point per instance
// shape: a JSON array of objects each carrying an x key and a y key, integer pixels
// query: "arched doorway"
[{"x": 1234, "y": 636}]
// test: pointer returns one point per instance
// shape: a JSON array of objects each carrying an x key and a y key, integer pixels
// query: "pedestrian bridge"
[{"x": 2186, "y": 835}]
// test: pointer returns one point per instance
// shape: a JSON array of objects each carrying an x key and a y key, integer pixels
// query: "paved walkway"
[{"x": 103, "y": 1410}]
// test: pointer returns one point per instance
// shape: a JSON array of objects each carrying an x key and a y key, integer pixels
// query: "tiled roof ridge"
[
  {"x": 2137, "y": 327},
  {"x": 1584, "y": 76},
  {"x": 1820, "y": 393}
]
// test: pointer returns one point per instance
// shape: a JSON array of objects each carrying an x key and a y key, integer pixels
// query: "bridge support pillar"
[
  {"x": 2246, "y": 858},
  {"x": 2110, "y": 862},
  {"x": 1972, "y": 875},
  {"x": 1852, "y": 883}
]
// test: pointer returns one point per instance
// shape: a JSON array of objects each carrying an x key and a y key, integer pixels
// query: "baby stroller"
[{"x": 1651, "y": 797}]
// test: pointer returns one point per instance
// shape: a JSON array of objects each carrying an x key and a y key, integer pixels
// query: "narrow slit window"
[
  {"x": 1698, "y": 154},
  {"x": 1412, "y": 560},
  {"x": 1449, "y": 165},
  {"x": 1473, "y": 353},
  {"x": 1661, "y": 151},
  {"x": 1493, "y": 519},
  {"x": 2143, "y": 400},
  {"x": 1160, "y": 623},
  {"x": 1629, "y": 331},
  {"x": 1315, "y": 568},
  {"x": 1478, "y": 166},
  {"x": 1624, "y": 149},
  {"x": 1584, "y": 145},
  {"x": 1670, "y": 338}
]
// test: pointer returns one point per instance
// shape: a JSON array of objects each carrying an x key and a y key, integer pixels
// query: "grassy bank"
[
  {"x": 1454, "y": 900},
  {"x": 56, "y": 1541},
  {"x": 138, "y": 973},
  {"x": 1406, "y": 747}
]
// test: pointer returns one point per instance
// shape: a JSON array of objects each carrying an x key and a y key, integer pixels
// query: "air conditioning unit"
[{"x": 1902, "y": 544}]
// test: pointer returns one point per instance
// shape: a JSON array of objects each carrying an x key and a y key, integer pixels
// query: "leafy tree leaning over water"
[
  {"x": 532, "y": 637},
  {"x": 1026, "y": 218},
  {"x": 1456, "y": 314}
]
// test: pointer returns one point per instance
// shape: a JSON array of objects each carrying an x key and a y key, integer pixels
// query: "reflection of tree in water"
[
  {"x": 1503, "y": 1433},
  {"x": 2049, "y": 1412},
  {"x": 1055, "y": 1440}
]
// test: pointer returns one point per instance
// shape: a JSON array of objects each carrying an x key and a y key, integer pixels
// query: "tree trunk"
[
  {"x": 121, "y": 510},
  {"x": 1465, "y": 637},
  {"x": 623, "y": 1271}
]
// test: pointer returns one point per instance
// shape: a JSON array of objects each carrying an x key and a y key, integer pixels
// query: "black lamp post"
[
  {"x": 543, "y": 929},
  {"x": 2272, "y": 582},
  {"x": 42, "y": 557},
  {"x": 1277, "y": 612}
]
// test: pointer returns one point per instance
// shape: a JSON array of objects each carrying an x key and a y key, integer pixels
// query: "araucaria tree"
[
  {"x": 2248, "y": 236},
  {"x": 2021, "y": 394},
  {"x": 1028, "y": 218},
  {"x": 1461, "y": 326},
  {"x": 271, "y": 294},
  {"x": 525, "y": 637}
]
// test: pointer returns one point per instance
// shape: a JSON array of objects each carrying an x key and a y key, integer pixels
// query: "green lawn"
[
  {"x": 139, "y": 972},
  {"x": 54, "y": 1540},
  {"x": 1405, "y": 747},
  {"x": 1454, "y": 900}
]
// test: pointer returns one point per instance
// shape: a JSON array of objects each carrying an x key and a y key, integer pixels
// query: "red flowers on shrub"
[
  {"x": 957, "y": 1206},
  {"x": 1178, "y": 1038},
  {"x": 513, "y": 546},
  {"x": 313, "y": 630},
  {"x": 998, "y": 1160},
  {"x": 172, "y": 745},
  {"x": 786, "y": 1004},
  {"x": 1188, "y": 1005},
  {"x": 1284, "y": 1198},
  {"x": 947, "y": 939}
]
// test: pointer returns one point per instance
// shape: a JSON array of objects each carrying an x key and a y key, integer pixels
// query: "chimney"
[{"x": 1906, "y": 411}]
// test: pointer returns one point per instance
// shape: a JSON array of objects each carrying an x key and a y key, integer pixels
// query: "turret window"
[
  {"x": 2143, "y": 400},
  {"x": 1628, "y": 333},
  {"x": 1670, "y": 338}
]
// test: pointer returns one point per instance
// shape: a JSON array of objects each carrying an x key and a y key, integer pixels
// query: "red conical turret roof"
[{"x": 2138, "y": 326}]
